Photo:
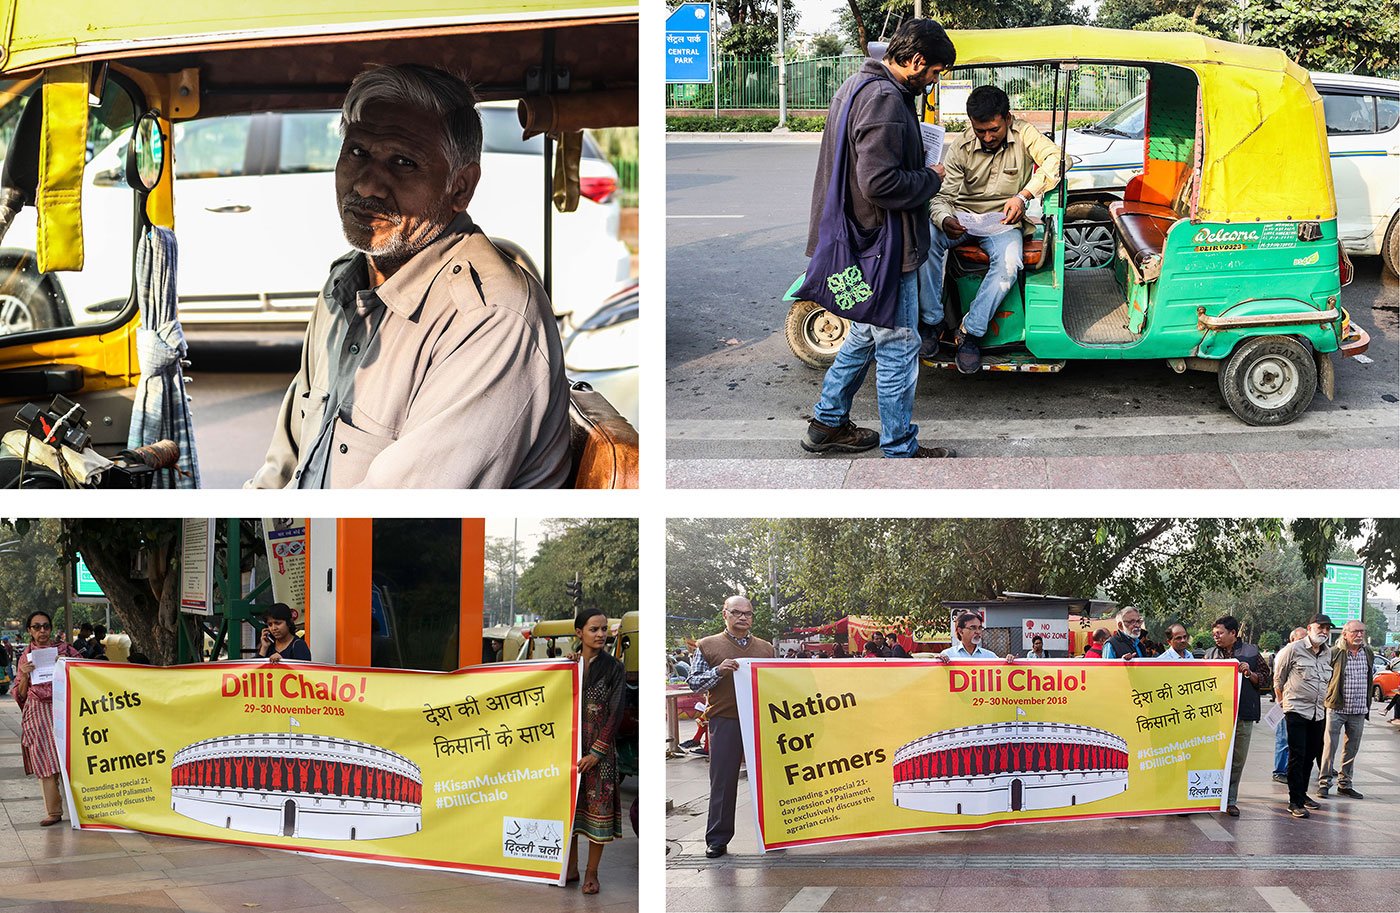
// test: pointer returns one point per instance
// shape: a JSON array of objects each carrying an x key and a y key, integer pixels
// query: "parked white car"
[
  {"x": 258, "y": 224},
  {"x": 604, "y": 351},
  {"x": 1363, "y": 134}
]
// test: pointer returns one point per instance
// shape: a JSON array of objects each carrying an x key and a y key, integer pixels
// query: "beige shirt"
[
  {"x": 1301, "y": 677},
  {"x": 449, "y": 375},
  {"x": 977, "y": 181}
]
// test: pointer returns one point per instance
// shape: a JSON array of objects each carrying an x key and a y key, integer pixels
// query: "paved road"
[
  {"x": 60, "y": 870},
  {"x": 737, "y": 399},
  {"x": 1342, "y": 858},
  {"x": 237, "y": 390}
]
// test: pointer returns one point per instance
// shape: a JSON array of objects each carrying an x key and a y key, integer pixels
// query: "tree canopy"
[
  {"x": 603, "y": 552},
  {"x": 804, "y": 572}
]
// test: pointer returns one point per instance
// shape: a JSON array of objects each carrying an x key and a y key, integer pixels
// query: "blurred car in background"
[
  {"x": 259, "y": 227},
  {"x": 604, "y": 350},
  {"x": 1363, "y": 137},
  {"x": 1385, "y": 684}
]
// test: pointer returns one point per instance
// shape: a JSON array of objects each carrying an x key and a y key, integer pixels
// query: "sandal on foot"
[
  {"x": 590, "y": 882},
  {"x": 51, "y": 820}
]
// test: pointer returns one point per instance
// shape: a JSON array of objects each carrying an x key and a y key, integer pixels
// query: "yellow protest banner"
[
  {"x": 473, "y": 770},
  {"x": 848, "y": 749}
]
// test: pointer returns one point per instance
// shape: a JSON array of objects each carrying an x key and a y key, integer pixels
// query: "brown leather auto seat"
[
  {"x": 973, "y": 256},
  {"x": 1142, "y": 227},
  {"x": 603, "y": 444}
]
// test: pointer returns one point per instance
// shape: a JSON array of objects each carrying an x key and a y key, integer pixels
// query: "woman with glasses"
[{"x": 36, "y": 716}]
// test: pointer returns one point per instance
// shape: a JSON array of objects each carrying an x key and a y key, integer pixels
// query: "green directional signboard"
[
  {"x": 84, "y": 586},
  {"x": 1342, "y": 591}
]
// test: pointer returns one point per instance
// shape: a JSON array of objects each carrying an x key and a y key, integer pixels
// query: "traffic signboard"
[
  {"x": 1342, "y": 591},
  {"x": 688, "y": 56}
]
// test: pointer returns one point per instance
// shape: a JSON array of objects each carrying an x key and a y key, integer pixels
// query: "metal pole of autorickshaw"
[
  {"x": 782, "y": 76},
  {"x": 548, "y": 174}
]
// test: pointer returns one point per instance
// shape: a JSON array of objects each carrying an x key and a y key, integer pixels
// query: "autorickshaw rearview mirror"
[{"x": 145, "y": 157}]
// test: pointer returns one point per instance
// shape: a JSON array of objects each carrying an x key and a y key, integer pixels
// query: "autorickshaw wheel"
[
  {"x": 1269, "y": 380},
  {"x": 814, "y": 333},
  {"x": 1390, "y": 250},
  {"x": 1088, "y": 236},
  {"x": 25, "y": 302}
]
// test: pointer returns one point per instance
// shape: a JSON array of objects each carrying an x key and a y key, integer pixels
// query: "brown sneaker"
[
  {"x": 924, "y": 453},
  {"x": 849, "y": 438}
]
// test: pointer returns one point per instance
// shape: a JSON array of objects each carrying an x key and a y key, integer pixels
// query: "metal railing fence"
[
  {"x": 750, "y": 83},
  {"x": 626, "y": 180}
]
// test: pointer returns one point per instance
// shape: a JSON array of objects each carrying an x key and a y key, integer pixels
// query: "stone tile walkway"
[
  {"x": 1343, "y": 858},
  {"x": 61, "y": 870}
]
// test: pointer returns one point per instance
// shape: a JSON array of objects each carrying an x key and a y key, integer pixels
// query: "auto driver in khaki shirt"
[
  {"x": 431, "y": 359},
  {"x": 999, "y": 164}
]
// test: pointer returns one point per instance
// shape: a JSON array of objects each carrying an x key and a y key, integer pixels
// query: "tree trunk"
[
  {"x": 147, "y": 608},
  {"x": 860, "y": 28}
]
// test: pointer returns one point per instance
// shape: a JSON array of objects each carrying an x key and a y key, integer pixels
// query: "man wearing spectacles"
[
  {"x": 1127, "y": 643},
  {"x": 969, "y": 646},
  {"x": 712, "y": 671}
]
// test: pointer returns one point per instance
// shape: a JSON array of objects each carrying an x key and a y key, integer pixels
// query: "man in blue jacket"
[{"x": 887, "y": 172}]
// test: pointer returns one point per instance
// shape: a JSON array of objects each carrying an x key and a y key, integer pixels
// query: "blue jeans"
[
  {"x": 1281, "y": 751},
  {"x": 930, "y": 293},
  {"x": 1003, "y": 249},
  {"x": 896, "y": 354}
]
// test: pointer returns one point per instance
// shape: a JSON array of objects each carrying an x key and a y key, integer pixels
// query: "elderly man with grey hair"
[
  {"x": 712, "y": 671},
  {"x": 431, "y": 360},
  {"x": 1348, "y": 704}
]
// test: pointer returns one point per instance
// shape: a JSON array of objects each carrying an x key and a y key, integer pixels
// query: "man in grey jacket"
[
  {"x": 431, "y": 360},
  {"x": 887, "y": 172},
  {"x": 1302, "y": 674}
]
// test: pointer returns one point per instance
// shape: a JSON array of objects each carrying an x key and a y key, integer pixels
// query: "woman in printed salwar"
[{"x": 598, "y": 815}]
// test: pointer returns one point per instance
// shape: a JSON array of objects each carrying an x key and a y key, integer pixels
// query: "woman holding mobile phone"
[{"x": 279, "y": 641}]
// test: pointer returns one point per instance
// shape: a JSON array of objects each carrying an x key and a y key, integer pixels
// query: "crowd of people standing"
[{"x": 1322, "y": 688}]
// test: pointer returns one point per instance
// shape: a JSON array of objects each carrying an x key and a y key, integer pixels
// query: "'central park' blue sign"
[{"x": 688, "y": 43}]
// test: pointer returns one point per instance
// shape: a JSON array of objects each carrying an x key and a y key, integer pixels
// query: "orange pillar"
[
  {"x": 473, "y": 590},
  {"x": 354, "y": 563}
]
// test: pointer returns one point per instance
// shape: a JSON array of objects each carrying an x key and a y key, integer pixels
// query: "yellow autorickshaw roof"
[
  {"x": 38, "y": 32},
  {"x": 1264, "y": 152}
]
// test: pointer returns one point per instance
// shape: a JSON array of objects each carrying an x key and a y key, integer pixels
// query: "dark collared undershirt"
[{"x": 360, "y": 316}]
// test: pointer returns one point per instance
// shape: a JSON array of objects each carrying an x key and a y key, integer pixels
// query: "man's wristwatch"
[{"x": 1025, "y": 199}]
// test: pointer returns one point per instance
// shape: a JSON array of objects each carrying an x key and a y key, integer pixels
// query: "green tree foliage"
[
  {"x": 149, "y": 606},
  {"x": 828, "y": 44},
  {"x": 500, "y": 565},
  {"x": 753, "y": 26},
  {"x": 1357, "y": 36},
  {"x": 1376, "y": 625},
  {"x": 1321, "y": 539},
  {"x": 31, "y": 576},
  {"x": 902, "y": 568},
  {"x": 1174, "y": 22},
  {"x": 602, "y": 551},
  {"x": 1279, "y": 596},
  {"x": 709, "y": 560},
  {"x": 882, "y": 17},
  {"x": 1218, "y": 20},
  {"x": 1270, "y": 641}
]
